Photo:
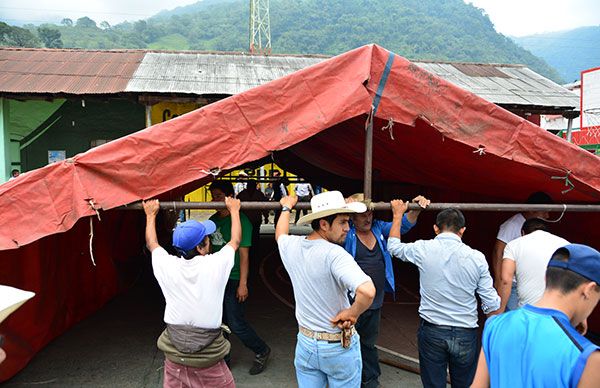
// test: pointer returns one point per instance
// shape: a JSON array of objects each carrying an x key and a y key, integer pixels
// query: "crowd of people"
[{"x": 340, "y": 273}]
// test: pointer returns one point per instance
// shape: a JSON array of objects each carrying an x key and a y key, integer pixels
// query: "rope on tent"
[
  {"x": 480, "y": 150},
  {"x": 568, "y": 182},
  {"x": 390, "y": 127},
  {"x": 561, "y": 215},
  {"x": 96, "y": 209},
  {"x": 369, "y": 118},
  {"x": 215, "y": 171}
]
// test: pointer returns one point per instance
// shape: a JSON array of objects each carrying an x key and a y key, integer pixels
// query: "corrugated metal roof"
[
  {"x": 47, "y": 71},
  {"x": 212, "y": 73},
  {"x": 504, "y": 84}
]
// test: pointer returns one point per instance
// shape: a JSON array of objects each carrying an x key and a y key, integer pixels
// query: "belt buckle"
[{"x": 346, "y": 338}]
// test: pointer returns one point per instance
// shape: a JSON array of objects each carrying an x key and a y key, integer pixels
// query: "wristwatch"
[{"x": 286, "y": 209}]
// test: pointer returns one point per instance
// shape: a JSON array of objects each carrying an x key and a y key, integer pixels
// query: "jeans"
[
  {"x": 513, "y": 300},
  {"x": 303, "y": 211},
  {"x": 321, "y": 363},
  {"x": 233, "y": 316},
  {"x": 367, "y": 327},
  {"x": 443, "y": 345},
  {"x": 176, "y": 376}
]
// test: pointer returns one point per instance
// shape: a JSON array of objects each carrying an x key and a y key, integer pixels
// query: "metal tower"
[{"x": 260, "y": 27}]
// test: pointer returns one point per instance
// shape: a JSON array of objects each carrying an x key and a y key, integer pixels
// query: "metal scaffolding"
[{"x": 260, "y": 27}]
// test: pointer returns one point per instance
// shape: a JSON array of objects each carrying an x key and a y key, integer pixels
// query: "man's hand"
[
  {"x": 242, "y": 293},
  {"x": 422, "y": 201},
  {"x": 344, "y": 320},
  {"x": 232, "y": 204},
  {"x": 399, "y": 207},
  {"x": 151, "y": 207},
  {"x": 289, "y": 201}
]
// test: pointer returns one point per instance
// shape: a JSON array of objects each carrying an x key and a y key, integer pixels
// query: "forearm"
[
  {"x": 497, "y": 254},
  {"x": 504, "y": 292},
  {"x": 283, "y": 224},
  {"x": 412, "y": 216},
  {"x": 365, "y": 293},
  {"x": 151, "y": 238},
  {"x": 236, "y": 230},
  {"x": 244, "y": 265},
  {"x": 396, "y": 224}
]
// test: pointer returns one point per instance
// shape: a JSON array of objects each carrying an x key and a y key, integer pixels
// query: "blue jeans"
[
  {"x": 513, "y": 300},
  {"x": 367, "y": 327},
  {"x": 233, "y": 316},
  {"x": 321, "y": 363},
  {"x": 443, "y": 346}
]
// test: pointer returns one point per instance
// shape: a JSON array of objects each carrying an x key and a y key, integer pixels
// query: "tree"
[
  {"x": 50, "y": 37},
  {"x": 85, "y": 22},
  {"x": 15, "y": 36},
  {"x": 104, "y": 25},
  {"x": 67, "y": 22}
]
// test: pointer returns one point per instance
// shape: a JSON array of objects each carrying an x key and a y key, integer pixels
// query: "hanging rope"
[
  {"x": 480, "y": 150},
  {"x": 561, "y": 215},
  {"x": 91, "y": 240},
  {"x": 369, "y": 118},
  {"x": 389, "y": 126},
  {"x": 568, "y": 182},
  {"x": 215, "y": 171}
]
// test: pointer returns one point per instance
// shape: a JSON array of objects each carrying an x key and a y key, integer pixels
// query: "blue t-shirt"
[{"x": 534, "y": 347}]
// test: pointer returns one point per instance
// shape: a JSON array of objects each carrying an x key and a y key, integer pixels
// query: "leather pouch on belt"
[{"x": 346, "y": 338}]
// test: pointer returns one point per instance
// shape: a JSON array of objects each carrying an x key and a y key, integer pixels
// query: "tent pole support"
[{"x": 368, "y": 159}]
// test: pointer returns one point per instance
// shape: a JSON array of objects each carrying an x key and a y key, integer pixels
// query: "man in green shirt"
[{"x": 236, "y": 291}]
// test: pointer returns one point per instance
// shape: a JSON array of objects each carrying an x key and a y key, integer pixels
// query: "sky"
[{"x": 511, "y": 17}]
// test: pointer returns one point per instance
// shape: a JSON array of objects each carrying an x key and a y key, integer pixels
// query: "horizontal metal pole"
[{"x": 487, "y": 207}]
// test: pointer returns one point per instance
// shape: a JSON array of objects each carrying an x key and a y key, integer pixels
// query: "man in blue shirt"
[
  {"x": 539, "y": 346},
  {"x": 450, "y": 274},
  {"x": 367, "y": 243}
]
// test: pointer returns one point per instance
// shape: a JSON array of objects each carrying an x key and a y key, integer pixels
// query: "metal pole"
[
  {"x": 570, "y": 129},
  {"x": 148, "y": 116},
  {"x": 487, "y": 207},
  {"x": 368, "y": 159}
]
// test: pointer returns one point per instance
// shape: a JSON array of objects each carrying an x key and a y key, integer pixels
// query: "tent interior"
[{"x": 429, "y": 138}]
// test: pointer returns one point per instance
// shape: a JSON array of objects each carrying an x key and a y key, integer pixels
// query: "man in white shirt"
[
  {"x": 304, "y": 192},
  {"x": 527, "y": 257},
  {"x": 193, "y": 285},
  {"x": 510, "y": 230},
  {"x": 322, "y": 274}
]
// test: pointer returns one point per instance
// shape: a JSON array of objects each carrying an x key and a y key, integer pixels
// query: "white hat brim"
[
  {"x": 11, "y": 299},
  {"x": 349, "y": 208}
]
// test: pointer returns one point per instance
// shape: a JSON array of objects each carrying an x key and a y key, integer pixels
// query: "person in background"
[
  {"x": 252, "y": 194},
  {"x": 367, "y": 243},
  {"x": 542, "y": 345},
  {"x": 13, "y": 174},
  {"x": 304, "y": 192},
  {"x": 451, "y": 273},
  {"x": 279, "y": 191},
  {"x": 236, "y": 291},
  {"x": 510, "y": 230}
]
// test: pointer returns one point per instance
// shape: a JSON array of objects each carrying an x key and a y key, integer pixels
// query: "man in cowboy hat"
[
  {"x": 193, "y": 284},
  {"x": 322, "y": 274},
  {"x": 367, "y": 243}
]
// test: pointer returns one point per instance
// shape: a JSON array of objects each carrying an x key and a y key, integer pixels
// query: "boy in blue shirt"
[{"x": 538, "y": 346}]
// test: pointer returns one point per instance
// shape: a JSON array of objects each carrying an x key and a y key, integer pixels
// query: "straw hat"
[
  {"x": 330, "y": 203},
  {"x": 360, "y": 197}
]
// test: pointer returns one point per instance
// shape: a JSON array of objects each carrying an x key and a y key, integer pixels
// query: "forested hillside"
[
  {"x": 569, "y": 52},
  {"x": 416, "y": 29}
]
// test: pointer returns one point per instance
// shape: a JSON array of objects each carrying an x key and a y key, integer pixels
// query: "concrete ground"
[{"x": 116, "y": 347}]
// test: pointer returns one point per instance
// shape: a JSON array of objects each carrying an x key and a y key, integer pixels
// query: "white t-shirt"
[
  {"x": 511, "y": 228},
  {"x": 194, "y": 288},
  {"x": 531, "y": 254},
  {"x": 303, "y": 189},
  {"x": 322, "y": 273}
]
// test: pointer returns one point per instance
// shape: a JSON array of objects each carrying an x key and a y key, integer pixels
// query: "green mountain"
[
  {"x": 569, "y": 52},
  {"x": 416, "y": 29}
]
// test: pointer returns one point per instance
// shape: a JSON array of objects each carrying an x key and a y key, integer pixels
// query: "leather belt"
[{"x": 323, "y": 336}]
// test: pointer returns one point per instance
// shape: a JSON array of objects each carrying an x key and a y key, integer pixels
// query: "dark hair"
[
  {"x": 563, "y": 279},
  {"x": 315, "y": 224},
  {"x": 192, "y": 252},
  {"x": 539, "y": 198},
  {"x": 14, "y": 170},
  {"x": 225, "y": 186},
  {"x": 451, "y": 220},
  {"x": 533, "y": 224}
]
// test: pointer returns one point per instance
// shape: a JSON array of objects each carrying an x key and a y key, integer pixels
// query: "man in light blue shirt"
[{"x": 451, "y": 273}]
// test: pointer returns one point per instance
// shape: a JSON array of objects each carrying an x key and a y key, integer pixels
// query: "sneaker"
[{"x": 260, "y": 362}]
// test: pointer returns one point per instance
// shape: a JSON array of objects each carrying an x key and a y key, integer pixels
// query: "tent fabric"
[{"x": 428, "y": 133}]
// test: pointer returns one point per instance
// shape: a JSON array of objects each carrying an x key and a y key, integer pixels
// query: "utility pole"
[{"x": 260, "y": 27}]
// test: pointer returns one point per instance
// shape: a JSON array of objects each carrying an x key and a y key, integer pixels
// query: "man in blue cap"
[
  {"x": 542, "y": 345},
  {"x": 193, "y": 284}
]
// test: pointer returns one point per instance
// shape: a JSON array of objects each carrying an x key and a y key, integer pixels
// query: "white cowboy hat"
[
  {"x": 11, "y": 299},
  {"x": 329, "y": 203}
]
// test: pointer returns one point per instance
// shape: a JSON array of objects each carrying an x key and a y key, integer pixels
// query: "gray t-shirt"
[{"x": 322, "y": 273}]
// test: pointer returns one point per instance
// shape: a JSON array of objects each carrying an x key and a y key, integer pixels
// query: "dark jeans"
[
  {"x": 367, "y": 327},
  {"x": 440, "y": 346},
  {"x": 303, "y": 211},
  {"x": 233, "y": 316}
]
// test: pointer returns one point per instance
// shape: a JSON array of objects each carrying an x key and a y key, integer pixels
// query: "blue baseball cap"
[
  {"x": 583, "y": 260},
  {"x": 189, "y": 234}
]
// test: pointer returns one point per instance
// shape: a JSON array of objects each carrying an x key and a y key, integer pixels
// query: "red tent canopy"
[{"x": 429, "y": 136}]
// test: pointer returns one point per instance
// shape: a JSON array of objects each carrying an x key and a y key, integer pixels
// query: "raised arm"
[
  {"x": 283, "y": 224},
  {"x": 398, "y": 209},
  {"x": 151, "y": 208},
  {"x": 233, "y": 205},
  {"x": 412, "y": 215}
]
